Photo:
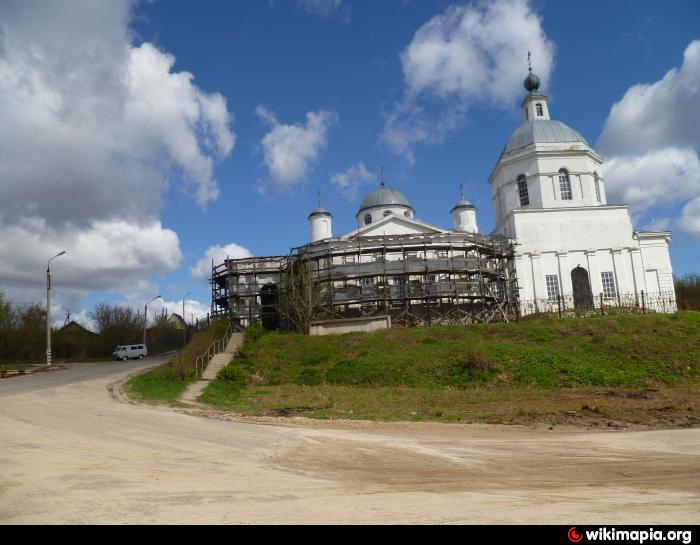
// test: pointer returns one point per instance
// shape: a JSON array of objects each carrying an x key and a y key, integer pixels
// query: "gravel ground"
[{"x": 72, "y": 453}]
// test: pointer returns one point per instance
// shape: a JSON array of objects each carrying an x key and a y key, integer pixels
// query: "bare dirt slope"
[{"x": 72, "y": 454}]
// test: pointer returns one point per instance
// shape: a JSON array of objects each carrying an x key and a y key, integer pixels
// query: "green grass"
[
  {"x": 452, "y": 372},
  {"x": 158, "y": 384},
  {"x": 10, "y": 367},
  {"x": 604, "y": 351}
]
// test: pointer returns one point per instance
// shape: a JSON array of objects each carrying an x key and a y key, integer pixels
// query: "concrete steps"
[{"x": 216, "y": 364}]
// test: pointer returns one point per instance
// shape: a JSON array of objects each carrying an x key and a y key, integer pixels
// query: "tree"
[
  {"x": 688, "y": 291},
  {"x": 300, "y": 295}
]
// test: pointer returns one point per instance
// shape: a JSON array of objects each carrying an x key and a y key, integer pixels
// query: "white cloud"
[
  {"x": 660, "y": 114},
  {"x": 650, "y": 140},
  {"x": 112, "y": 255},
  {"x": 657, "y": 178},
  {"x": 350, "y": 182},
  {"x": 690, "y": 220},
  {"x": 327, "y": 9},
  {"x": 94, "y": 130},
  {"x": 290, "y": 151},
  {"x": 464, "y": 56},
  {"x": 194, "y": 310},
  {"x": 202, "y": 270}
]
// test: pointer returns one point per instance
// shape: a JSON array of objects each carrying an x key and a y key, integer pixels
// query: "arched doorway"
[
  {"x": 268, "y": 312},
  {"x": 583, "y": 298}
]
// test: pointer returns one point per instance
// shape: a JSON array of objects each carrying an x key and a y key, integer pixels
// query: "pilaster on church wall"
[
  {"x": 565, "y": 273},
  {"x": 594, "y": 269},
  {"x": 523, "y": 270}
]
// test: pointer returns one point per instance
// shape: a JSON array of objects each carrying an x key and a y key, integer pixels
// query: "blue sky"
[{"x": 287, "y": 97}]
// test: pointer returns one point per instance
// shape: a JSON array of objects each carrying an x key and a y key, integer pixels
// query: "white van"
[{"x": 125, "y": 352}]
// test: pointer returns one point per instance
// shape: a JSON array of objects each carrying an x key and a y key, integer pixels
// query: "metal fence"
[{"x": 631, "y": 303}]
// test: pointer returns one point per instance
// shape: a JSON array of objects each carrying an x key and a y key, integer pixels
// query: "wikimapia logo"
[{"x": 633, "y": 536}]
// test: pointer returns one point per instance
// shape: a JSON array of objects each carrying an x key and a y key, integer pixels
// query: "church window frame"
[
  {"x": 523, "y": 194},
  {"x": 552, "y": 281},
  {"x": 387, "y": 213},
  {"x": 565, "y": 185},
  {"x": 608, "y": 280},
  {"x": 407, "y": 214},
  {"x": 368, "y": 219},
  {"x": 539, "y": 110}
]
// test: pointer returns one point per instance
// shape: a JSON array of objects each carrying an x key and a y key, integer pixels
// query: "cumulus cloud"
[
  {"x": 202, "y": 270},
  {"x": 194, "y": 310},
  {"x": 327, "y": 9},
  {"x": 95, "y": 131},
  {"x": 690, "y": 220},
  {"x": 650, "y": 140},
  {"x": 290, "y": 151},
  {"x": 350, "y": 182},
  {"x": 464, "y": 56},
  {"x": 659, "y": 177},
  {"x": 115, "y": 255}
]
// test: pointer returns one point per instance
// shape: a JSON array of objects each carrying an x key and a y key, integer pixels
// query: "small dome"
[
  {"x": 532, "y": 82},
  {"x": 462, "y": 203},
  {"x": 384, "y": 196},
  {"x": 542, "y": 131},
  {"x": 320, "y": 212}
]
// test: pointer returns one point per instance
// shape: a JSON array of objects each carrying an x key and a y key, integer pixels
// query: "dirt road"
[{"x": 72, "y": 454}]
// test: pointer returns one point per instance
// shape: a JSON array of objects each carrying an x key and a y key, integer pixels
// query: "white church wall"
[
  {"x": 542, "y": 174},
  {"x": 572, "y": 229},
  {"x": 656, "y": 262}
]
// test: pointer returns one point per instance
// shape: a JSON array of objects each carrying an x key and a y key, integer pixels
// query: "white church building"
[
  {"x": 557, "y": 245},
  {"x": 549, "y": 196}
]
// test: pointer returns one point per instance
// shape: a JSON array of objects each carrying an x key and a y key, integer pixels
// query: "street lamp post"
[
  {"x": 145, "y": 318},
  {"x": 48, "y": 307},
  {"x": 184, "y": 320}
]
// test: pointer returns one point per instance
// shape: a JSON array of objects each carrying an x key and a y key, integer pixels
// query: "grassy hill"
[{"x": 480, "y": 372}]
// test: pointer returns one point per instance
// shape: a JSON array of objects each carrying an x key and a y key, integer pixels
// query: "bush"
[
  {"x": 234, "y": 374},
  {"x": 310, "y": 377},
  {"x": 688, "y": 292}
]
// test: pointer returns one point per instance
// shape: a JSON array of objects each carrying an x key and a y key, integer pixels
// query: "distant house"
[
  {"x": 176, "y": 321},
  {"x": 75, "y": 327}
]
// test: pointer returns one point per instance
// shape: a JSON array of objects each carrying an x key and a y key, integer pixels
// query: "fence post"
[
  {"x": 601, "y": 305},
  {"x": 644, "y": 310},
  {"x": 559, "y": 304}
]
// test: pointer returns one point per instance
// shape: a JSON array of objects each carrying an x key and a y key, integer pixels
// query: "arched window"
[
  {"x": 597, "y": 186},
  {"x": 368, "y": 219},
  {"x": 386, "y": 213},
  {"x": 523, "y": 194},
  {"x": 565, "y": 185},
  {"x": 538, "y": 106}
]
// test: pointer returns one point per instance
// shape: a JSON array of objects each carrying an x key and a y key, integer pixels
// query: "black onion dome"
[{"x": 532, "y": 82}]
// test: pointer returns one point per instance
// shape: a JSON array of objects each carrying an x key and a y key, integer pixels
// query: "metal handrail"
[{"x": 214, "y": 348}]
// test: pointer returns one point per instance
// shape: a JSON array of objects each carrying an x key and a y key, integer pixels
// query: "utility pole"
[
  {"x": 145, "y": 318},
  {"x": 48, "y": 308},
  {"x": 184, "y": 321}
]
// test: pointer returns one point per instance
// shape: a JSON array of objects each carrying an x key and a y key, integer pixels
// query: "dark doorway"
[
  {"x": 583, "y": 298},
  {"x": 268, "y": 312}
]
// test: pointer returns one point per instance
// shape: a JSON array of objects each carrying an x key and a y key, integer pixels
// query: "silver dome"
[
  {"x": 541, "y": 131},
  {"x": 384, "y": 196}
]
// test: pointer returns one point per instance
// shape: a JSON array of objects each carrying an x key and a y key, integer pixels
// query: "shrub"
[
  {"x": 234, "y": 374},
  {"x": 310, "y": 377}
]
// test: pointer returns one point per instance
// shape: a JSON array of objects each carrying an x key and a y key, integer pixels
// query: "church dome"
[
  {"x": 542, "y": 131},
  {"x": 320, "y": 212},
  {"x": 384, "y": 196}
]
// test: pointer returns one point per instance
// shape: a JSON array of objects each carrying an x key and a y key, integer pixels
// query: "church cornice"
[{"x": 541, "y": 151}]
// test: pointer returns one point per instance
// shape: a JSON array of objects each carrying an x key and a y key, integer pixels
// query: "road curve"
[{"x": 71, "y": 453}]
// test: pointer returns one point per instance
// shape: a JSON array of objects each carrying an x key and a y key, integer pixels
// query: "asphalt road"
[
  {"x": 72, "y": 374},
  {"x": 71, "y": 453}
]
